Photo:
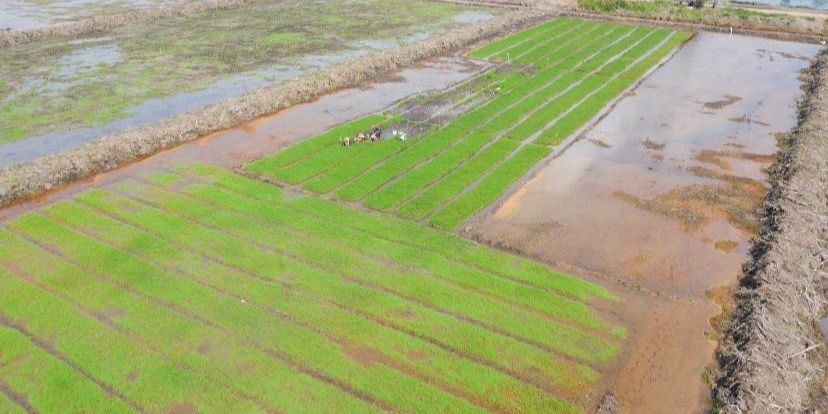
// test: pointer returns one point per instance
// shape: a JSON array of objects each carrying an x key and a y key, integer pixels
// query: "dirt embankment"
[
  {"x": 107, "y": 153},
  {"x": 773, "y": 357},
  {"x": 11, "y": 38}
]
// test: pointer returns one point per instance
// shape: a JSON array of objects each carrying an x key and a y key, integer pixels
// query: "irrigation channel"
[{"x": 197, "y": 279}]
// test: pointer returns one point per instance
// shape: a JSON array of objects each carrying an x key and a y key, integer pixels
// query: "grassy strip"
[
  {"x": 50, "y": 385},
  {"x": 307, "y": 147},
  {"x": 392, "y": 194},
  {"x": 390, "y": 168},
  {"x": 495, "y": 47},
  {"x": 303, "y": 303},
  {"x": 406, "y": 232},
  {"x": 376, "y": 304},
  {"x": 257, "y": 325},
  {"x": 325, "y": 251},
  {"x": 403, "y": 255},
  {"x": 489, "y": 188},
  {"x": 111, "y": 356},
  {"x": 456, "y": 181},
  {"x": 167, "y": 328}
]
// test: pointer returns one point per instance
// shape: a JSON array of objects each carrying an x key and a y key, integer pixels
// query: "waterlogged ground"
[
  {"x": 30, "y": 14},
  {"x": 61, "y": 92},
  {"x": 662, "y": 196}
]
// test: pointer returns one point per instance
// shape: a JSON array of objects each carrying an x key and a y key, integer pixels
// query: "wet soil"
[
  {"x": 237, "y": 146},
  {"x": 661, "y": 199}
]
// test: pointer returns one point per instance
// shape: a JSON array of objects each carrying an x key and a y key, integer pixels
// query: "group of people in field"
[{"x": 373, "y": 136}]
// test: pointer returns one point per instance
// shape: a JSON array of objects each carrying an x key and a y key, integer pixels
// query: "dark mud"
[{"x": 666, "y": 208}]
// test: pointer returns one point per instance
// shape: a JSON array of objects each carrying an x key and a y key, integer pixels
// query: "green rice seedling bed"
[
  {"x": 209, "y": 289},
  {"x": 489, "y": 188},
  {"x": 310, "y": 146},
  {"x": 26, "y": 368},
  {"x": 342, "y": 173},
  {"x": 456, "y": 181},
  {"x": 403, "y": 231},
  {"x": 497, "y": 46},
  {"x": 425, "y": 148},
  {"x": 310, "y": 308},
  {"x": 159, "y": 306},
  {"x": 392, "y": 194},
  {"x": 536, "y": 41}
]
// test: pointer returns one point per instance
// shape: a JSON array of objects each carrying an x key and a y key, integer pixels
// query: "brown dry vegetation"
[
  {"x": 11, "y": 38},
  {"x": 773, "y": 359},
  {"x": 109, "y": 152}
]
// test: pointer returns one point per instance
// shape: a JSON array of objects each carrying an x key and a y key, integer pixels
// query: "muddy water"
[
  {"x": 235, "y": 147},
  {"x": 659, "y": 201}
]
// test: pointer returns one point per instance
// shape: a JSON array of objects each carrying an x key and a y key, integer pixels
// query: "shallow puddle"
[{"x": 662, "y": 197}]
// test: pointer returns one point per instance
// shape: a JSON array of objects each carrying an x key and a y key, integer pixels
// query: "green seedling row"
[
  {"x": 28, "y": 369},
  {"x": 425, "y": 148},
  {"x": 388, "y": 308},
  {"x": 110, "y": 356},
  {"x": 190, "y": 341},
  {"x": 310, "y": 146},
  {"x": 392, "y": 194},
  {"x": 310, "y": 308},
  {"x": 537, "y": 41},
  {"x": 438, "y": 293},
  {"x": 456, "y": 181},
  {"x": 404, "y": 231},
  {"x": 489, "y": 188},
  {"x": 328, "y": 158},
  {"x": 508, "y": 41}
]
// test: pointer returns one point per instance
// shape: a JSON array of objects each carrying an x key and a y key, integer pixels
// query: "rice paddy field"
[
  {"x": 549, "y": 82},
  {"x": 553, "y": 219},
  {"x": 200, "y": 290},
  {"x": 74, "y": 89}
]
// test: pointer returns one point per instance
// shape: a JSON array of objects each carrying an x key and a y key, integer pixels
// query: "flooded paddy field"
[
  {"x": 662, "y": 196},
  {"x": 60, "y": 92}
]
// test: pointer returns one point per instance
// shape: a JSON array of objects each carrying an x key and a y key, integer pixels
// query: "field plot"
[
  {"x": 28, "y": 14},
  {"x": 552, "y": 79},
  {"x": 71, "y": 90},
  {"x": 203, "y": 291}
]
